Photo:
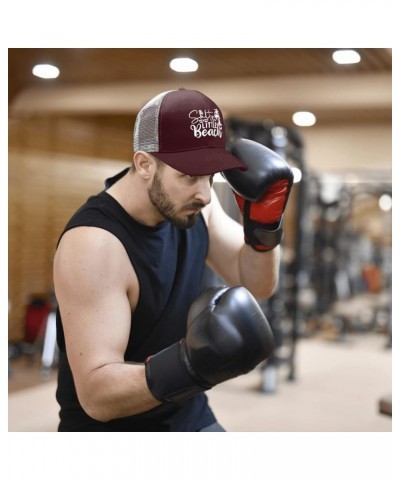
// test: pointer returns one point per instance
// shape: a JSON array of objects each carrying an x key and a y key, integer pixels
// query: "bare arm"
[
  {"x": 96, "y": 289},
  {"x": 233, "y": 260}
]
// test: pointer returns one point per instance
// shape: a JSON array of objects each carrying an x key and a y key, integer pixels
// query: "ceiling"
[{"x": 254, "y": 84}]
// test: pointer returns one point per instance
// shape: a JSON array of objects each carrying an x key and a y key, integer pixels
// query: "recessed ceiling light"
[
  {"x": 46, "y": 71},
  {"x": 385, "y": 202},
  {"x": 345, "y": 57},
  {"x": 183, "y": 65},
  {"x": 304, "y": 119},
  {"x": 296, "y": 174}
]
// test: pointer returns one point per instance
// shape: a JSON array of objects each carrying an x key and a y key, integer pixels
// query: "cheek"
[
  {"x": 179, "y": 193},
  {"x": 174, "y": 195},
  {"x": 170, "y": 188},
  {"x": 177, "y": 189}
]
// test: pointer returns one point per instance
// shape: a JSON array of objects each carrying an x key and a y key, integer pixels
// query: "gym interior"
[{"x": 331, "y": 370}]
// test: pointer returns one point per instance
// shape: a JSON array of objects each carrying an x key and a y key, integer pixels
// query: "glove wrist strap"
[
  {"x": 168, "y": 376},
  {"x": 263, "y": 237}
]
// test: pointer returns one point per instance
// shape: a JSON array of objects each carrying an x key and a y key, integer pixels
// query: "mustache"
[{"x": 193, "y": 205}]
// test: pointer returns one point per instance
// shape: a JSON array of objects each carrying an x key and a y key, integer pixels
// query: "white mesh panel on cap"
[{"x": 145, "y": 134}]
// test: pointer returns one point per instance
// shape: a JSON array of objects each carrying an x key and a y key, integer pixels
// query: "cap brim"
[{"x": 205, "y": 161}]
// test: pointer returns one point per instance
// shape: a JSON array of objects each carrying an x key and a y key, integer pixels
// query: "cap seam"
[{"x": 191, "y": 149}]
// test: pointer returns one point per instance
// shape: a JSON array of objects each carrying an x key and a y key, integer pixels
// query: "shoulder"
[
  {"x": 92, "y": 255},
  {"x": 89, "y": 241}
]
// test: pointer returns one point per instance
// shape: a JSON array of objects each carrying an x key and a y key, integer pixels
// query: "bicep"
[{"x": 90, "y": 277}]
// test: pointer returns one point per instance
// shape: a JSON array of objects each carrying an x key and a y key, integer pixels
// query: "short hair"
[{"x": 159, "y": 163}]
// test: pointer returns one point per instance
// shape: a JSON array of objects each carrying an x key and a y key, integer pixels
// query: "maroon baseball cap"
[{"x": 184, "y": 129}]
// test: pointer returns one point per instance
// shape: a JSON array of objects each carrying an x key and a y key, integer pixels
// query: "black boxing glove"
[
  {"x": 227, "y": 336},
  {"x": 261, "y": 192}
]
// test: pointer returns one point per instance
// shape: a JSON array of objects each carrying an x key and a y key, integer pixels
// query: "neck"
[{"x": 131, "y": 193}]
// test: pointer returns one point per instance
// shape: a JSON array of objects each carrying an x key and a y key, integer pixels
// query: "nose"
[{"x": 203, "y": 189}]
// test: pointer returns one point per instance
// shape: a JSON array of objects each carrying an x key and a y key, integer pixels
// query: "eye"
[{"x": 211, "y": 179}]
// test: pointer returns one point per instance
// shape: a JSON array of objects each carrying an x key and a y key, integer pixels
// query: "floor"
[{"x": 338, "y": 389}]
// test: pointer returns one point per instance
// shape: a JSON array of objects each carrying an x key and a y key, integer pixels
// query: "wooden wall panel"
[{"x": 55, "y": 164}]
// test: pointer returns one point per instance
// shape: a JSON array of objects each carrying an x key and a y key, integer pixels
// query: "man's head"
[
  {"x": 184, "y": 129},
  {"x": 179, "y": 143}
]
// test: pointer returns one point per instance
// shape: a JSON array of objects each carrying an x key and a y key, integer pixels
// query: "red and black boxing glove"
[{"x": 261, "y": 192}]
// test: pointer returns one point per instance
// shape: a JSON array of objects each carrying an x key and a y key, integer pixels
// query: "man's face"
[{"x": 178, "y": 197}]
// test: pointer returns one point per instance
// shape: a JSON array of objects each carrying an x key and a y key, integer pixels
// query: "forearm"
[
  {"x": 259, "y": 271},
  {"x": 261, "y": 192},
  {"x": 116, "y": 390}
]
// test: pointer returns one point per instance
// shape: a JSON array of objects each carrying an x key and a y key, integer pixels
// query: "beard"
[{"x": 161, "y": 200}]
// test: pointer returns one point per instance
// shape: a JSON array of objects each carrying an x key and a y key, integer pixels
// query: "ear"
[{"x": 145, "y": 164}]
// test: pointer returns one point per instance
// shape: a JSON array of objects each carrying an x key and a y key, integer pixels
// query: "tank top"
[{"x": 169, "y": 264}]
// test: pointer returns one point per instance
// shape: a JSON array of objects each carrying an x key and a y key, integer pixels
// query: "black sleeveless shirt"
[{"x": 169, "y": 264}]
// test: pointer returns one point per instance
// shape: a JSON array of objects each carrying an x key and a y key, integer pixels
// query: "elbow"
[
  {"x": 96, "y": 413},
  {"x": 272, "y": 288},
  {"x": 93, "y": 404},
  {"x": 264, "y": 291},
  {"x": 94, "y": 409}
]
